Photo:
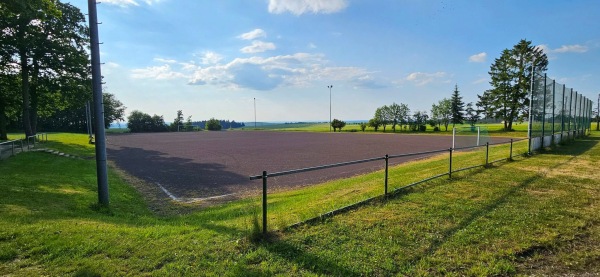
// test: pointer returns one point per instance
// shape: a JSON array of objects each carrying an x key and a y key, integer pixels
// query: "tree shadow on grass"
[{"x": 577, "y": 148}]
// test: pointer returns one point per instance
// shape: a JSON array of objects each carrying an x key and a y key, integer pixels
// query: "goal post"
[{"x": 469, "y": 136}]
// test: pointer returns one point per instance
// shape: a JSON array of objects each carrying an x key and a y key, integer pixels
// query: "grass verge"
[{"x": 534, "y": 216}]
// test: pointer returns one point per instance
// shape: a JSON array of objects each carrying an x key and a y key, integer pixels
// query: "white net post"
[
  {"x": 453, "y": 136},
  {"x": 478, "y": 134}
]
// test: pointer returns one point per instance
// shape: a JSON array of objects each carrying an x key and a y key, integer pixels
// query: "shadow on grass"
[
  {"x": 309, "y": 262},
  {"x": 573, "y": 149}
]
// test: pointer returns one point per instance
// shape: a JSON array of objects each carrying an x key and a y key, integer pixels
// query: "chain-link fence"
[{"x": 558, "y": 113}]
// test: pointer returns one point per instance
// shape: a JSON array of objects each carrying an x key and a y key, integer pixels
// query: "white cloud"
[
  {"x": 478, "y": 58},
  {"x": 210, "y": 57},
  {"x": 296, "y": 70},
  {"x": 156, "y": 72},
  {"x": 422, "y": 78},
  {"x": 257, "y": 47},
  {"x": 126, "y": 3},
  {"x": 312, "y": 46},
  {"x": 576, "y": 48},
  {"x": 161, "y": 60},
  {"x": 572, "y": 49},
  {"x": 254, "y": 34},
  {"x": 299, "y": 7}
]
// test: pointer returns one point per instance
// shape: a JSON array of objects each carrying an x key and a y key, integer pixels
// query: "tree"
[
  {"x": 382, "y": 114},
  {"x": 363, "y": 126},
  {"x": 419, "y": 121},
  {"x": 138, "y": 121},
  {"x": 45, "y": 41},
  {"x": 471, "y": 114},
  {"x": 442, "y": 112},
  {"x": 113, "y": 109},
  {"x": 374, "y": 122},
  {"x": 484, "y": 105},
  {"x": 510, "y": 80},
  {"x": 397, "y": 114},
  {"x": 457, "y": 107},
  {"x": 178, "y": 121},
  {"x": 188, "y": 124},
  {"x": 9, "y": 102},
  {"x": 213, "y": 125},
  {"x": 338, "y": 124}
]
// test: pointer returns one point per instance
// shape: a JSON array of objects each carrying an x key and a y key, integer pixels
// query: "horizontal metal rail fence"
[
  {"x": 13, "y": 144},
  {"x": 28, "y": 142},
  {"x": 265, "y": 175}
]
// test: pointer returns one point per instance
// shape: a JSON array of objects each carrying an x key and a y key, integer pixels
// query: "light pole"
[
  {"x": 330, "y": 87},
  {"x": 255, "y": 113}
]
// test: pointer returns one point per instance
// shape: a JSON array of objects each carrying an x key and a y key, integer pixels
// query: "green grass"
[{"x": 537, "y": 215}]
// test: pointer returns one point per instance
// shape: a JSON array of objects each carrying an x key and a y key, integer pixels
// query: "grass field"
[{"x": 537, "y": 215}]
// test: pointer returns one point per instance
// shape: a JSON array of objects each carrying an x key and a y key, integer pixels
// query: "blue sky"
[{"x": 213, "y": 58}]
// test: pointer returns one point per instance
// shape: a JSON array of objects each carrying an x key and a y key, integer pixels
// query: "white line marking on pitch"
[{"x": 189, "y": 200}]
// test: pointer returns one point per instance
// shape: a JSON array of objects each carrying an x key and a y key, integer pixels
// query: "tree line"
[
  {"x": 139, "y": 121},
  {"x": 45, "y": 76},
  {"x": 507, "y": 100}
]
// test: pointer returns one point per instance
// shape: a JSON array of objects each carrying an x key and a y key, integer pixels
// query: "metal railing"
[
  {"x": 24, "y": 143},
  {"x": 265, "y": 175}
]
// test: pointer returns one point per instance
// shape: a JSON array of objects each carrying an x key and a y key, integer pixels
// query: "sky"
[{"x": 234, "y": 59}]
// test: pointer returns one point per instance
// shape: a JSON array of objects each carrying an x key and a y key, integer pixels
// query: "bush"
[
  {"x": 363, "y": 126},
  {"x": 422, "y": 128},
  {"x": 213, "y": 125},
  {"x": 436, "y": 129},
  {"x": 337, "y": 124}
]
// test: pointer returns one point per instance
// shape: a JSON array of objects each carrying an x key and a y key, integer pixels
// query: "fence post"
[
  {"x": 13, "y": 148},
  {"x": 264, "y": 202},
  {"x": 487, "y": 153},
  {"x": 510, "y": 158},
  {"x": 450, "y": 166},
  {"x": 544, "y": 111},
  {"x": 386, "y": 174}
]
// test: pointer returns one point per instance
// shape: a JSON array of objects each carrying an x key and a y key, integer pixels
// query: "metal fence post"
[
  {"x": 450, "y": 165},
  {"x": 544, "y": 111},
  {"x": 487, "y": 153},
  {"x": 386, "y": 174},
  {"x": 510, "y": 158},
  {"x": 553, "y": 108},
  {"x": 264, "y": 202}
]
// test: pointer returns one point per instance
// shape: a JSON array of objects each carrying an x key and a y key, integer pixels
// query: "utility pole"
[
  {"x": 330, "y": 87},
  {"x": 100, "y": 143},
  {"x": 254, "y": 113}
]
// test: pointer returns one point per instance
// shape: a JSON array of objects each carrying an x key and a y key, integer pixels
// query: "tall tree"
[
  {"x": 510, "y": 80},
  {"x": 397, "y": 114},
  {"x": 471, "y": 114},
  {"x": 484, "y": 105},
  {"x": 442, "y": 112},
  {"x": 382, "y": 116},
  {"x": 457, "y": 107},
  {"x": 46, "y": 41}
]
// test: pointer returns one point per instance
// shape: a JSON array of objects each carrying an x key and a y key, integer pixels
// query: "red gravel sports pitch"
[{"x": 200, "y": 165}]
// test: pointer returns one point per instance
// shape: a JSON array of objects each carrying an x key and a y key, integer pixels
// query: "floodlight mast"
[
  {"x": 100, "y": 143},
  {"x": 330, "y": 87}
]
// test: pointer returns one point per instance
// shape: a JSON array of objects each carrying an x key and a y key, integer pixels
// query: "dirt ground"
[{"x": 200, "y": 165}]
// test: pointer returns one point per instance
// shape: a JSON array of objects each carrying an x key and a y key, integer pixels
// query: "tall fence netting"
[{"x": 558, "y": 113}]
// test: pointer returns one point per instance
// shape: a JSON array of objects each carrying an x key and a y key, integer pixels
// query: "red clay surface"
[{"x": 209, "y": 164}]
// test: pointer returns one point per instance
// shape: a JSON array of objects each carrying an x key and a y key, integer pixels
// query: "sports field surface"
[{"x": 209, "y": 165}]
